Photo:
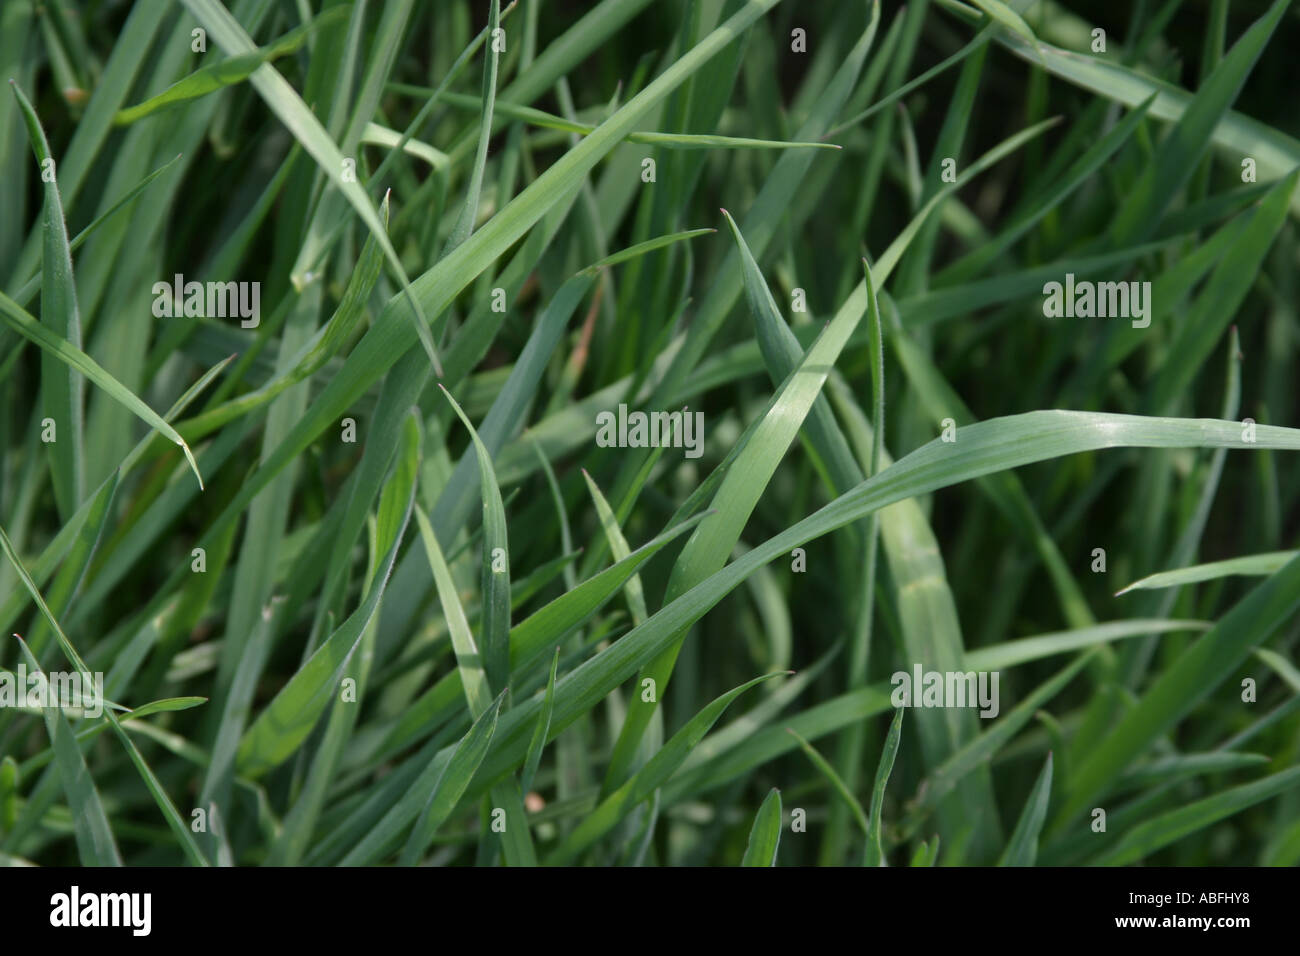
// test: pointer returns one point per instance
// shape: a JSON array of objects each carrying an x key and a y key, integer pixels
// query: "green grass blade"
[
  {"x": 1253, "y": 565},
  {"x": 618, "y": 547},
  {"x": 62, "y": 389},
  {"x": 469, "y": 214},
  {"x": 765, "y": 835},
  {"x": 649, "y": 778},
  {"x": 538, "y": 743},
  {"x": 734, "y": 501},
  {"x": 1175, "y": 161},
  {"x": 284, "y": 101},
  {"x": 1146, "y": 838},
  {"x": 833, "y": 778},
  {"x": 496, "y": 564},
  {"x": 290, "y": 716},
  {"x": 95, "y": 842},
  {"x": 1022, "y": 848},
  {"x": 469, "y": 662},
  {"x": 874, "y": 854},
  {"x": 997, "y": 657},
  {"x": 59, "y": 347},
  {"x": 449, "y": 786},
  {"x": 226, "y": 72},
  {"x": 1193, "y": 676}
]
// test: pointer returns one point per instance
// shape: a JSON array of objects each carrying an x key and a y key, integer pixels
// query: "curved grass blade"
[
  {"x": 996, "y": 657},
  {"x": 833, "y": 778},
  {"x": 618, "y": 548},
  {"x": 25, "y": 294},
  {"x": 376, "y": 135},
  {"x": 641, "y": 248},
  {"x": 1281, "y": 666},
  {"x": 1251, "y": 565},
  {"x": 981, "y": 448},
  {"x": 18, "y": 319},
  {"x": 1006, "y": 17},
  {"x": 62, "y": 389},
  {"x": 510, "y": 407},
  {"x": 874, "y": 855},
  {"x": 227, "y": 72},
  {"x": 531, "y": 636},
  {"x": 160, "y": 797}
]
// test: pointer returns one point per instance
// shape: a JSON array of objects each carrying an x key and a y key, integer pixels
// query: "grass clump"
[{"x": 424, "y": 469}]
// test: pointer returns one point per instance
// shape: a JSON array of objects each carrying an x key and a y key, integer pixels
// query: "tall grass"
[{"x": 376, "y": 567}]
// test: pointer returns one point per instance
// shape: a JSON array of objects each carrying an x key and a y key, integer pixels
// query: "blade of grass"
[
  {"x": 1022, "y": 848},
  {"x": 874, "y": 854},
  {"x": 765, "y": 835}
]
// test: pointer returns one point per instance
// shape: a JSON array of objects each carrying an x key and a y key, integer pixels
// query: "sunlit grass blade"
[
  {"x": 997, "y": 657},
  {"x": 1253, "y": 565},
  {"x": 469, "y": 662}
]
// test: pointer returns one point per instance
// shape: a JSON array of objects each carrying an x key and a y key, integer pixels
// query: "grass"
[{"x": 365, "y": 579}]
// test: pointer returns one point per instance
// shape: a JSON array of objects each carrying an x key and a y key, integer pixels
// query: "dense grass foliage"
[{"x": 561, "y": 433}]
